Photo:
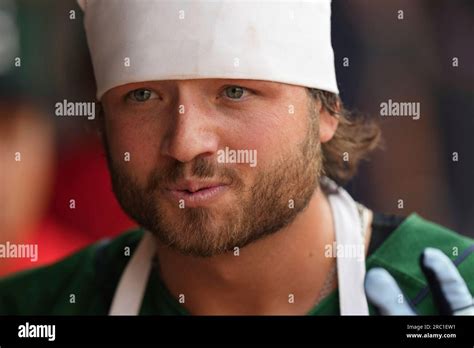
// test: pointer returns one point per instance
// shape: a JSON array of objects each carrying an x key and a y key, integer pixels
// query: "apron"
[{"x": 349, "y": 225}]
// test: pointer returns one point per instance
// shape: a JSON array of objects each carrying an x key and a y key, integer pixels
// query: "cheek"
[
  {"x": 134, "y": 146},
  {"x": 272, "y": 134}
]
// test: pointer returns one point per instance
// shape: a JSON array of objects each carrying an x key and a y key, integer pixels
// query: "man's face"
[{"x": 249, "y": 150}]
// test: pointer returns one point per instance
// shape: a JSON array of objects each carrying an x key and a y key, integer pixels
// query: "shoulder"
[
  {"x": 78, "y": 284},
  {"x": 402, "y": 244},
  {"x": 395, "y": 236}
]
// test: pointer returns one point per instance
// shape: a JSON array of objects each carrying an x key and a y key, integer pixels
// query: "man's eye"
[
  {"x": 141, "y": 95},
  {"x": 235, "y": 92}
]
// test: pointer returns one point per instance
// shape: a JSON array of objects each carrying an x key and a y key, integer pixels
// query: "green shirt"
[{"x": 84, "y": 283}]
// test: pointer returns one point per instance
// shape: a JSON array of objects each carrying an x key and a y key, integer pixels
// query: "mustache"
[{"x": 199, "y": 168}]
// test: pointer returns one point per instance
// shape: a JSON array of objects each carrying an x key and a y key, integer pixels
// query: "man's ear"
[{"x": 327, "y": 125}]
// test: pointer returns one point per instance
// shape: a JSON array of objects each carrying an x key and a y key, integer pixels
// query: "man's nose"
[{"x": 192, "y": 133}]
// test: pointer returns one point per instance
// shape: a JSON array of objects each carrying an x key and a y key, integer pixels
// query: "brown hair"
[{"x": 357, "y": 135}]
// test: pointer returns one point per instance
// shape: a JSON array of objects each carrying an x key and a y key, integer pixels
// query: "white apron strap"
[
  {"x": 131, "y": 288},
  {"x": 351, "y": 268}
]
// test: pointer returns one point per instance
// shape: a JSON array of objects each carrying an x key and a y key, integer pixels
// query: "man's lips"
[
  {"x": 194, "y": 186},
  {"x": 196, "y": 193}
]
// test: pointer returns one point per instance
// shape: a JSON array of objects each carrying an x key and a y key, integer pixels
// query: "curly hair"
[{"x": 356, "y": 136}]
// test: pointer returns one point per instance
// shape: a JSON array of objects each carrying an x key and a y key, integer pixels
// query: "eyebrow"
[{"x": 213, "y": 82}]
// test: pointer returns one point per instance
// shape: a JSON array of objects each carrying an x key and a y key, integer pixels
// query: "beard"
[{"x": 279, "y": 192}]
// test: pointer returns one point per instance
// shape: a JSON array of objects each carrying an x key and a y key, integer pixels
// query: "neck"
[{"x": 280, "y": 274}]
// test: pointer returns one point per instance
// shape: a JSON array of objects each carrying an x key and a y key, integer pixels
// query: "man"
[{"x": 226, "y": 141}]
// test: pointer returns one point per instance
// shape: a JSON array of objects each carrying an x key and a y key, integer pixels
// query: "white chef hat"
[{"x": 287, "y": 41}]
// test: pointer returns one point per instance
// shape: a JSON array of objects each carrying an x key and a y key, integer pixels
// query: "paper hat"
[{"x": 149, "y": 40}]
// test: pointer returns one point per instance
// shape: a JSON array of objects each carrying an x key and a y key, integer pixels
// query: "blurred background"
[{"x": 54, "y": 185}]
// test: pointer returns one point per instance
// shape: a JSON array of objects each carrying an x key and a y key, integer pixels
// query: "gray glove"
[{"x": 450, "y": 292}]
